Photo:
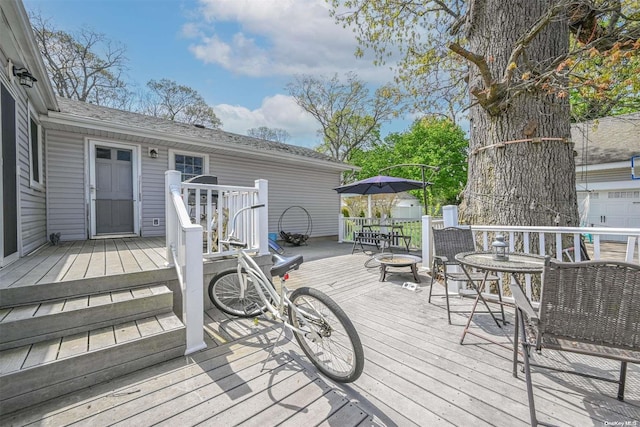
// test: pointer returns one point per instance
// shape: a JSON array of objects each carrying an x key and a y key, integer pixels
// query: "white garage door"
[{"x": 614, "y": 208}]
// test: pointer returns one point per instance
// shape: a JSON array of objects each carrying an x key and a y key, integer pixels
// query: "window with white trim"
[
  {"x": 35, "y": 151},
  {"x": 189, "y": 164}
]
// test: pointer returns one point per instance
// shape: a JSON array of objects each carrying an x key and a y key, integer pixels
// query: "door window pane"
[
  {"x": 124, "y": 155},
  {"x": 103, "y": 153}
]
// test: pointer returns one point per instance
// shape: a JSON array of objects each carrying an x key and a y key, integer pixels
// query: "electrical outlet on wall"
[{"x": 156, "y": 222}]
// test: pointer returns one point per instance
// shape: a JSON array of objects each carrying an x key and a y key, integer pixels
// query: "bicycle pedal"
[{"x": 251, "y": 308}]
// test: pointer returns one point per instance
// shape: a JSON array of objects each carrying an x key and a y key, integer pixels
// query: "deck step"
[
  {"x": 33, "y": 373},
  {"x": 31, "y": 323}
]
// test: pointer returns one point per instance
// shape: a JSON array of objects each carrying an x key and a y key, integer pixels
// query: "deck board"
[
  {"x": 58, "y": 271},
  {"x": 73, "y": 344},
  {"x": 112, "y": 258},
  {"x": 87, "y": 258},
  {"x": 79, "y": 267},
  {"x": 43, "y": 352},
  {"x": 102, "y": 337},
  {"x": 98, "y": 261},
  {"x": 416, "y": 371}
]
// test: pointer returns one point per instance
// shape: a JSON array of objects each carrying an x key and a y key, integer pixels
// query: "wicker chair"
[
  {"x": 588, "y": 307},
  {"x": 448, "y": 242}
]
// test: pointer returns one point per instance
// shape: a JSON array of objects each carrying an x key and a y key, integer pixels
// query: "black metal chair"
[
  {"x": 448, "y": 242},
  {"x": 588, "y": 307}
]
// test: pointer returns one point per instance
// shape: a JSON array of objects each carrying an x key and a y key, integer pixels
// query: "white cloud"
[
  {"x": 279, "y": 111},
  {"x": 277, "y": 37}
]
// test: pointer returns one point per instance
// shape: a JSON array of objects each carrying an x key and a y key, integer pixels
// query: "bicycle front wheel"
[
  {"x": 225, "y": 293},
  {"x": 329, "y": 339}
]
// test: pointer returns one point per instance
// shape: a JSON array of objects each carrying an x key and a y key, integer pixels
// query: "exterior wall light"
[
  {"x": 25, "y": 78},
  {"x": 153, "y": 153}
]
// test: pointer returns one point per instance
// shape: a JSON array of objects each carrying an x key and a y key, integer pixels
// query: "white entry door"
[{"x": 113, "y": 189}]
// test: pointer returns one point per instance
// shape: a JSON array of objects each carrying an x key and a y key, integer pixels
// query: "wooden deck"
[
  {"x": 85, "y": 259},
  {"x": 416, "y": 372}
]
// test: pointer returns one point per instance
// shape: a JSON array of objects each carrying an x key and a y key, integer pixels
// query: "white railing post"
[
  {"x": 450, "y": 218},
  {"x": 632, "y": 241},
  {"x": 193, "y": 304},
  {"x": 263, "y": 215},
  {"x": 171, "y": 179},
  {"x": 427, "y": 250},
  {"x": 341, "y": 222},
  {"x": 450, "y": 215}
]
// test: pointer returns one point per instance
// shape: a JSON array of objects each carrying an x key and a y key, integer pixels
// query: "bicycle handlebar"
[{"x": 231, "y": 239}]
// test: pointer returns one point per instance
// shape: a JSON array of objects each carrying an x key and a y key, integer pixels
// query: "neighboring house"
[
  {"x": 607, "y": 194},
  {"x": 59, "y": 156},
  {"x": 407, "y": 206}
]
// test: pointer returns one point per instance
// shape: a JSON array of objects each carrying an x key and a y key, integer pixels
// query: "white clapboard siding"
[
  {"x": 291, "y": 183},
  {"x": 610, "y": 175},
  {"x": 31, "y": 201},
  {"x": 66, "y": 185},
  {"x": 152, "y": 197}
]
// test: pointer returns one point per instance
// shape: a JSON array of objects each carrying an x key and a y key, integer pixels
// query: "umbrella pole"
[
  {"x": 369, "y": 213},
  {"x": 424, "y": 191}
]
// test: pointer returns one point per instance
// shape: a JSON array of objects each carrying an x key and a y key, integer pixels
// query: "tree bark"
[{"x": 531, "y": 181}]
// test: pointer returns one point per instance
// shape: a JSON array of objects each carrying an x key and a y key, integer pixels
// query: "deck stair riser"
[
  {"x": 50, "y": 291},
  {"x": 31, "y": 323},
  {"x": 34, "y": 373}
]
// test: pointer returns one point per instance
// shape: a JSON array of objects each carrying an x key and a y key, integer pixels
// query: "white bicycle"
[{"x": 321, "y": 327}]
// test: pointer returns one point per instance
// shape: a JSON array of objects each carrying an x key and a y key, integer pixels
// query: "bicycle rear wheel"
[
  {"x": 225, "y": 293},
  {"x": 330, "y": 340}
]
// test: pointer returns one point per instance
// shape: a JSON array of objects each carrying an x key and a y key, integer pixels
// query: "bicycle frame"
[{"x": 263, "y": 284}]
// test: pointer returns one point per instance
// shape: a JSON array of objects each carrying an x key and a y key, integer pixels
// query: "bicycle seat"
[{"x": 284, "y": 264}]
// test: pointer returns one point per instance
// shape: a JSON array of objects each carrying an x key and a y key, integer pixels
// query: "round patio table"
[
  {"x": 518, "y": 263},
  {"x": 400, "y": 260}
]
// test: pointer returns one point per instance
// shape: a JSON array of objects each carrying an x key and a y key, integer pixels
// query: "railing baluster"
[{"x": 558, "y": 246}]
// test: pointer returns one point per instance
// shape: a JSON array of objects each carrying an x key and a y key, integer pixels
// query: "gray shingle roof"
[
  {"x": 143, "y": 122},
  {"x": 607, "y": 140}
]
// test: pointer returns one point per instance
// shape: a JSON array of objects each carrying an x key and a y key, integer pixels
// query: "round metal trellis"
[{"x": 297, "y": 237}]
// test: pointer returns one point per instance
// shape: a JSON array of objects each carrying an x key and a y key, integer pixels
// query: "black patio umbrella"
[{"x": 381, "y": 185}]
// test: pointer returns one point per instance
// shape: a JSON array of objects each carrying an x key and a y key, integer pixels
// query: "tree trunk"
[{"x": 532, "y": 181}]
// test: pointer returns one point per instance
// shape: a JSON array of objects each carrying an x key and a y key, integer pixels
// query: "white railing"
[
  {"x": 214, "y": 205},
  {"x": 348, "y": 226},
  {"x": 550, "y": 241},
  {"x": 188, "y": 243},
  {"x": 184, "y": 251}
]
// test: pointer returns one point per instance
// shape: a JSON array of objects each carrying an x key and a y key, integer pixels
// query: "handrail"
[
  {"x": 185, "y": 211},
  {"x": 212, "y": 205},
  {"x": 184, "y": 249},
  {"x": 524, "y": 236}
]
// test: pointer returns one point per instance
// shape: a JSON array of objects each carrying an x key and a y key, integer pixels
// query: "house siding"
[
  {"x": 31, "y": 201},
  {"x": 289, "y": 185},
  {"x": 152, "y": 197},
  {"x": 66, "y": 185},
  {"x": 609, "y": 175}
]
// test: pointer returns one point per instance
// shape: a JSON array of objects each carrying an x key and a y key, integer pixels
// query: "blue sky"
[{"x": 238, "y": 54}]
